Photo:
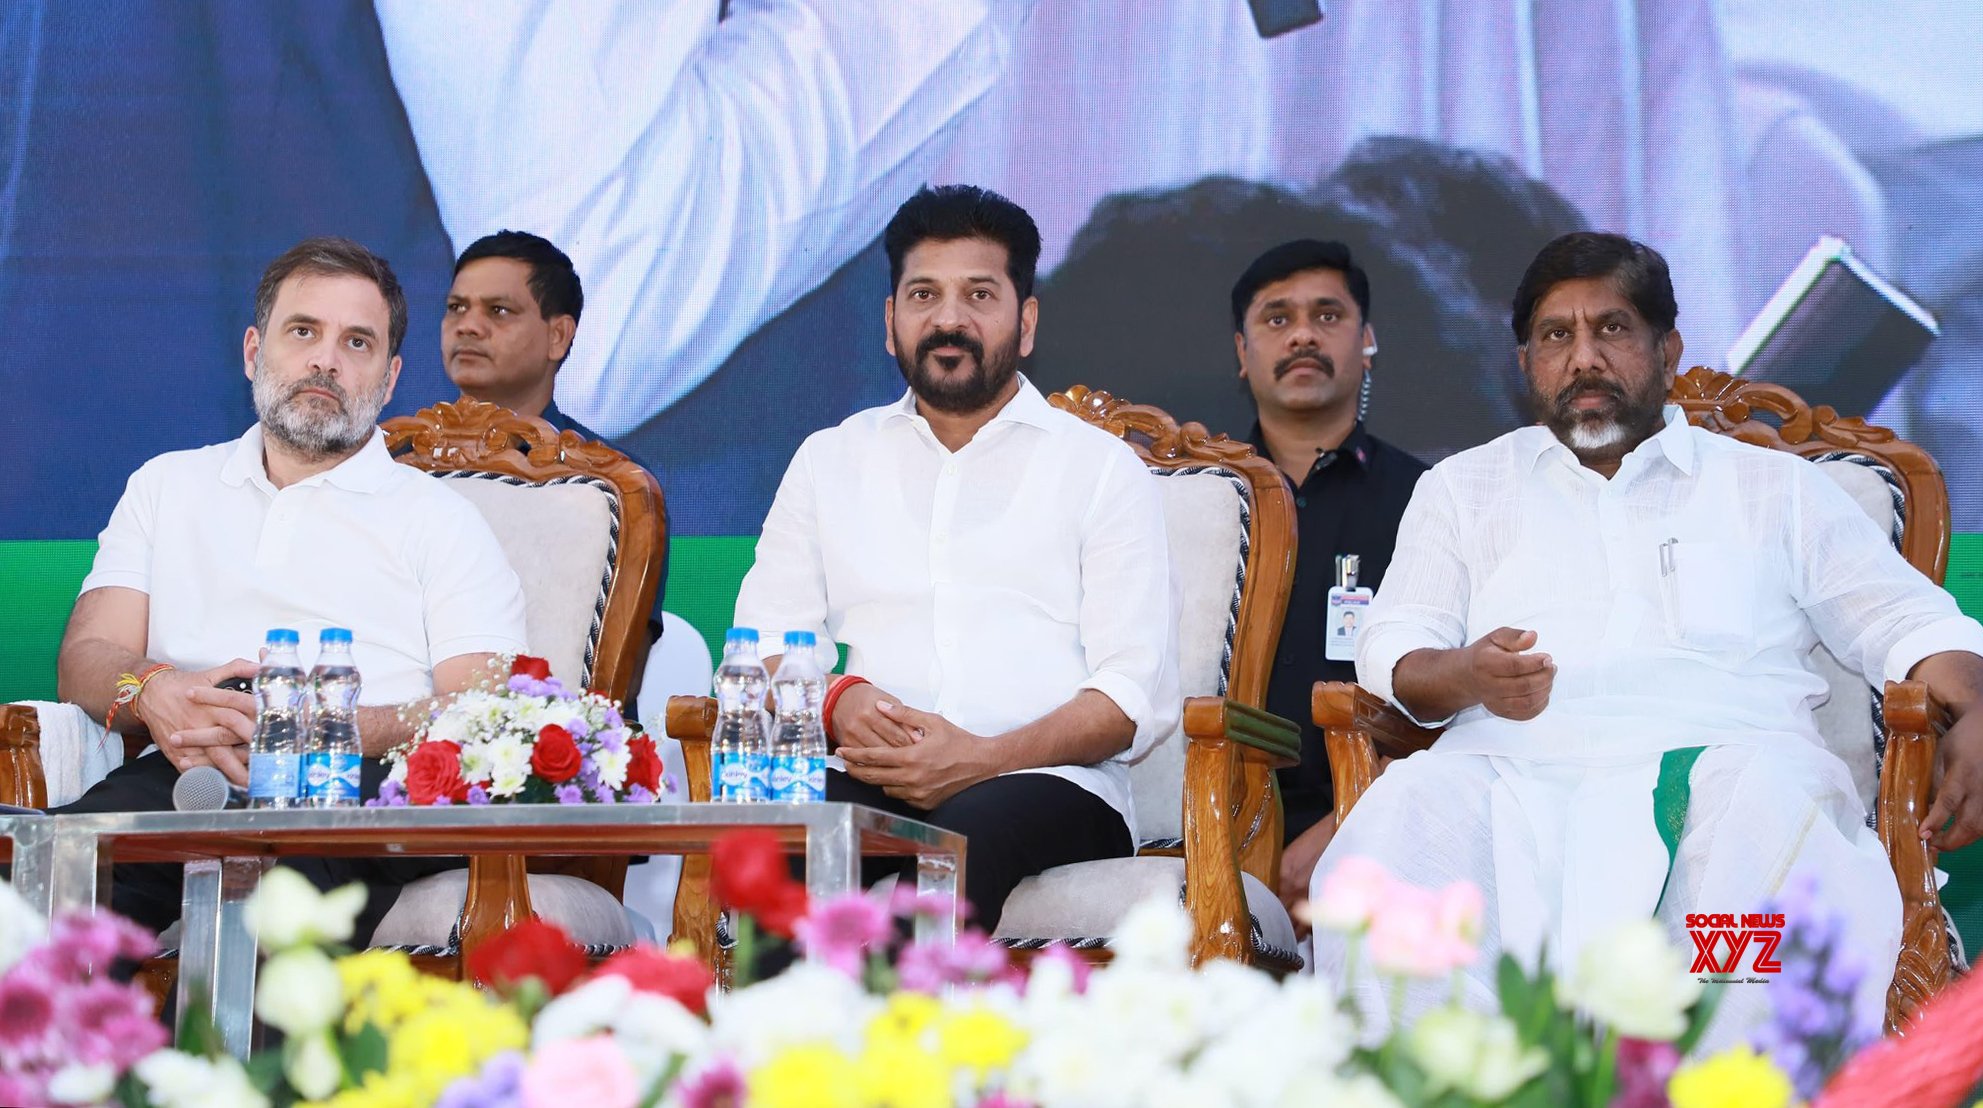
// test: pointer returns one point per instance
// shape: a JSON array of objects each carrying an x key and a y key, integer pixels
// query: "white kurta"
[{"x": 1553, "y": 817}]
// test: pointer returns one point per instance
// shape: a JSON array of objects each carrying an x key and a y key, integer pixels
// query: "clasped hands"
[
  {"x": 196, "y": 724},
  {"x": 916, "y": 757}
]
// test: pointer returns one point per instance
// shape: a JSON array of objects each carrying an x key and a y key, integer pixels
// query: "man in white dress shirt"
[
  {"x": 997, "y": 570},
  {"x": 303, "y": 522},
  {"x": 1613, "y": 604}
]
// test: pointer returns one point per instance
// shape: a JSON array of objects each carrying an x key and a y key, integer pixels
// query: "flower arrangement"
[
  {"x": 869, "y": 1020},
  {"x": 520, "y": 736}
]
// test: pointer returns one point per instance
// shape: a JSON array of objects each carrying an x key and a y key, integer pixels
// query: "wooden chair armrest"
[
  {"x": 22, "y": 780},
  {"x": 1916, "y": 720},
  {"x": 1209, "y": 718},
  {"x": 1357, "y": 726},
  {"x": 692, "y": 721}
]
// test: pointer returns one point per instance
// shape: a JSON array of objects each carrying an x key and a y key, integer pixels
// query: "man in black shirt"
[{"x": 1301, "y": 328}]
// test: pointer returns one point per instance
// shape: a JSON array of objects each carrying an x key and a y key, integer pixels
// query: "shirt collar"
[
  {"x": 1027, "y": 406},
  {"x": 1675, "y": 441},
  {"x": 365, "y": 471},
  {"x": 1357, "y": 446}
]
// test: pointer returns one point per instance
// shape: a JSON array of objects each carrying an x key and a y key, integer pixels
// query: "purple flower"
[
  {"x": 605, "y": 796},
  {"x": 569, "y": 794},
  {"x": 578, "y": 727},
  {"x": 392, "y": 794},
  {"x": 522, "y": 684},
  {"x": 477, "y": 795},
  {"x": 554, "y": 688},
  {"x": 639, "y": 795},
  {"x": 497, "y": 1086},
  {"x": 613, "y": 717},
  {"x": 613, "y": 739},
  {"x": 719, "y": 1086}
]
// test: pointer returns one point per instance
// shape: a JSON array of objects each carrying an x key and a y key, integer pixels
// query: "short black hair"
[
  {"x": 1299, "y": 256},
  {"x": 553, "y": 281},
  {"x": 330, "y": 256},
  {"x": 950, "y": 212},
  {"x": 1639, "y": 271}
]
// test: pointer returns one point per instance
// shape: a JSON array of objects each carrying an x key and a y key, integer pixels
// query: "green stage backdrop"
[{"x": 38, "y": 582}]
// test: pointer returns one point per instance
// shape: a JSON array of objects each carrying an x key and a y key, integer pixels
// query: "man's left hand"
[
  {"x": 1958, "y": 786},
  {"x": 945, "y": 761}
]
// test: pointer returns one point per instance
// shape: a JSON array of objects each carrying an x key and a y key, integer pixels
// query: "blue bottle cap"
[
  {"x": 279, "y": 636},
  {"x": 799, "y": 640},
  {"x": 334, "y": 634},
  {"x": 741, "y": 634}
]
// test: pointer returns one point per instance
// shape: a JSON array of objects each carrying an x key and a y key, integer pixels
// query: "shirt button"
[{"x": 1301, "y": 502}]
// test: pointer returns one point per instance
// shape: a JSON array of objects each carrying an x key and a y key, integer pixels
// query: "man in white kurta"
[{"x": 1614, "y": 610}]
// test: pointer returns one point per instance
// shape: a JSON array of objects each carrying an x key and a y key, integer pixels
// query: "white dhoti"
[{"x": 1562, "y": 851}]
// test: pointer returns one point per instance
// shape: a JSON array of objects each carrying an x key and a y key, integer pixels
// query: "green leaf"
[
  {"x": 363, "y": 1052},
  {"x": 1517, "y": 992},
  {"x": 197, "y": 1034},
  {"x": 664, "y": 1082},
  {"x": 265, "y": 1071},
  {"x": 131, "y": 1091}
]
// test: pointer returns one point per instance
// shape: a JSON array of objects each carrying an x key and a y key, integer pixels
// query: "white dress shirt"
[
  {"x": 988, "y": 586},
  {"x": 703, "y": 175},
  {"x": 372, "y": 545},
  {"x": 1764, "y": 556}
]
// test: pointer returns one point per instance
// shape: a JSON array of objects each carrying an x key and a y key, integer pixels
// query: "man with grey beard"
[
  {"x": 304, "y": 522},
  {"x": 1613, "y": 615}
]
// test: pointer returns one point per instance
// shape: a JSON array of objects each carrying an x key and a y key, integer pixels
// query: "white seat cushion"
[
  {"x": 426, "y": 912},
  {"x": 1088, "y": 899},
  {"x": 76, "y": 752}
]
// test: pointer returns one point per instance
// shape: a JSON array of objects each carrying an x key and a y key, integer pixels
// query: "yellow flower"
[
  {"x": 905, "y": 1020},
  {"x": 900, "y": 1073},
  {"x": 979, "y": 1040},
  {"x": 813, "y": 1076},
  {"x": 1736, "y": 1078}
]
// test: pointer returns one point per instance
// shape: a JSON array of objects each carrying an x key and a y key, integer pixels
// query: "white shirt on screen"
[
  {"x": 988, "y": 586},
  {"x": 381, "y": 548}
]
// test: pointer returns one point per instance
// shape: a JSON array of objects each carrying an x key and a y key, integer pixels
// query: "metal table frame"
[{"x": 63, "y": 861}]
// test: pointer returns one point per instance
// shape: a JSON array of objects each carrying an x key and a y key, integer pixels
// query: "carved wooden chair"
[
  {"x": 1207, "y": 800},
  {"x": 583, "y": 528},
  {"x": 1887, "y": 741}
]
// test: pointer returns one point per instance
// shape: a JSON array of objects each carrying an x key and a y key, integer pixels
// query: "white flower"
[
  {"x": 509, "y": 765},
  {"x": 21, "y": 927},
  {"x": 176, "y": 1080},
  {"x": 808, "y": 1003},
  {"x": 1634, "y": 981},
  {"x": 1361, "y": 1091},
  {"x": 311, "y": 1064},
  {"x": 1479, "y": 1055},
  {"x": 287, "y": 911},
  {"x": 586, "y": 1010},
  {"x": 77, "y": 1083},
  {"x": 298, "y": 992},
  {"x": 1155, "y": 932},
  {"x": 612, "y": 766}
]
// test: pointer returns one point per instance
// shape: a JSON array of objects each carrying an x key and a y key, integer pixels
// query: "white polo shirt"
[{"x": 390, "y": 552}]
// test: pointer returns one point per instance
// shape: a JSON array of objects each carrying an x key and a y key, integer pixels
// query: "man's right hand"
[
  {"x": 858, "y": 722},
  {"x": 196, "y": 724},
  {"x": 1506, "y": 681}
]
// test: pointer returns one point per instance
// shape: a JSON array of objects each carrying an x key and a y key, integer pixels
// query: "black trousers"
[
  {"x": 150, "y": 892},
  {"x": 1018, "y": 825}
]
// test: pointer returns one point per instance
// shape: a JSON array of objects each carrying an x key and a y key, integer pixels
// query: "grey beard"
[{"x": 315, "y": 436}]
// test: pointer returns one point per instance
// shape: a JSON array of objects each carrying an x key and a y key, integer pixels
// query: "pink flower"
[
  {"x": 1351, "y": 895},
  {"x": 841, "y": 931},
  {"x": 1077, "y": 967},
  {"x": 720, "y": 1086},
  {"x": 589, "y": 1071},
  {"x": 27, "y": 1011},
  {"x": 972, "y": 959},
  {"x": 906, "y": 903},
  {"x": 1404, "y": 933},
  {"x": 1459, "y": 923},
  {"x": 79, "y": 942}
]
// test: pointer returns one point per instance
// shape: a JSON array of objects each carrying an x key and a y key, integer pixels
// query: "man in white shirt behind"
[
  {"x": 1614, "y": 610},
  {"x": 997, "y": 570},
  {"x": 304, "y": 522}
]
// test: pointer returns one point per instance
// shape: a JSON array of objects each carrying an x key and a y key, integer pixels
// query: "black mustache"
[
  {"x": 958, "y": 339},
  {"x": 1327, "y": 363},
  {"x": 1588, "y": 388}
]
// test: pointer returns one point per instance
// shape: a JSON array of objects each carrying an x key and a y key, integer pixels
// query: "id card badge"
[{"x": 1348, "y": 607}]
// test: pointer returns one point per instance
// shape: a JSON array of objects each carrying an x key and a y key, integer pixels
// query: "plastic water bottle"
[
  {"x": 798, "y": 743},
  {"x": 330, "y": 769},
  {"x": 739, "y": 762},
  {"x": 275, "y": 760}
]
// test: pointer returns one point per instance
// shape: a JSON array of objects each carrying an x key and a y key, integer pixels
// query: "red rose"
[
  {"x": 532, "y": 948},
  {"x": 555, "y": 758},
  {"x": 526, "y": 666},
  {"x": 749, "y": 873},
  {"x": 644, "y": 764},
  {"x": 433, "y": 771},
  {"x": 686, "y": 980}
]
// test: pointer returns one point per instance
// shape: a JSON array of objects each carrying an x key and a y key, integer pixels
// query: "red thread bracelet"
[{"x": 840, "y": 684}]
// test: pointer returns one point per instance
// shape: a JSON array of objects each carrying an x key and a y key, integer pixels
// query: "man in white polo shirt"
[
  {"x": 997, "y": 569},
  {"x": 303, "y": 522}
]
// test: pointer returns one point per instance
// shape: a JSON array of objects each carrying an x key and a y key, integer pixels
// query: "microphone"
[{"x": 206, "y": 789}]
